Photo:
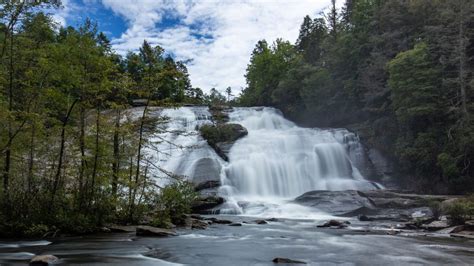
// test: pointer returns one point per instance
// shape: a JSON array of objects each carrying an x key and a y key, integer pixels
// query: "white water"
[{"x": 275, "y": 163}]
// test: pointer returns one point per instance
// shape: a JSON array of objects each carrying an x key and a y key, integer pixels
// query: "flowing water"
[{"x": 275, "y": 163}]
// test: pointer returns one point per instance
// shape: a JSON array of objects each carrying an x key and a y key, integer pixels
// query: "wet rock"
[
  {"x": 260, "y": 222},
  {"x": 393, "y": 232},
  {"x": 122, "y": 228},
  {"x": 435, "y": 225},
  {"x": 335, "y": 202},
  {"x": 207, "y": 185},
  {"x": 218, "y": 221},
  {"x": 287, "y": 261},
  {"x": 206, "y": 169},
  {"x": 365, "y": 218},
  {"x": 145, "y": 230},
  {"x": 44, "y": 260},
  {"x": 464, "y": 234},
  {"x": 203, "y": 204},
  {"x": 272, "y": 220},
  {"x": 235, "y": 224},
  {"x": 335, "y": 223},
  {"x": 198, "y": 224}
]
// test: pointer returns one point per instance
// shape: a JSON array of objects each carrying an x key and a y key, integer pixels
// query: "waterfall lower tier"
[{"x": 275, "y": 162}]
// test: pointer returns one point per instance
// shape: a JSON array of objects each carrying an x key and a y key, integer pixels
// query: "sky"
[{"x": 214, "y": 37}]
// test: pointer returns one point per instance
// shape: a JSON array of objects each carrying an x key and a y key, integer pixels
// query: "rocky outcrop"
[
  {"x": 145, "y": 230},
  {"x": 205, "y": 204},
  {"x": 221, "y": 137},
  {"x": 44, "y": 260},
  {"x": 374, "y": 205},
  {"x": 335, "y": 202},
  {"x": 206, "y": 169},
  {"x": 210, "y": 184}
]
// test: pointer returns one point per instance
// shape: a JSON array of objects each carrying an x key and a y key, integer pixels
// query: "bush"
[
  {"x": 435, "y": 208},
  {"x": 173, "y": 202},
  {"x": 461, "y": 210}
]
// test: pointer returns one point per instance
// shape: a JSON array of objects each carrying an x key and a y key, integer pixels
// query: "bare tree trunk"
[
  {"x": 96, "y": 156},
  {"x": 82, "y": 147},
  {"x": 116, "y": 162},
  {"x": 61, "y": 153}
]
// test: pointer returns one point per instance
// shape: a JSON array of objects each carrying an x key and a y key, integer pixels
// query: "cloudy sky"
[{"x": 217, "y": 36}]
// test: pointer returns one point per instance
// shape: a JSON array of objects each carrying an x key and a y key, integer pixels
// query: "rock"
[
  {"x": 272, "y": 220},
  {"x": 464, "y": 234},
  {"x": 44, "y": 260},
  {"x": 206, "y": 169},
  {"x": 221, "y": 137},
  {"x": 235, "y": 224},
  {"x": 287, "y": 261},
  {"x": 435, "y": 225},
  {"x": 219, "y": 221},
  {"x": 335, "y": 202},
  {"x": 198, "y": 224},
  {"x": 392, "y": 232},
  {"x": 260, "y": 222},
  {"x": 335, "y": 223},
  {"x": 207, "y": 185},
  {"x": 145, "y": 230},
  {"x": 196, "y": 216},
  {"x": 122, "y": 228},
  {"x": 365, "y": 218},
  {"x": 203, "y": 204}
]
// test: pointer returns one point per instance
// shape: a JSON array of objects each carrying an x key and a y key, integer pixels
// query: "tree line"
[
  {"x": 399, "y": 72},
  {"x": 71, "y": 150}
]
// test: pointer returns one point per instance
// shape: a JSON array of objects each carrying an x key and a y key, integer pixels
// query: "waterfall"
[{"x": 276, "y": 162}]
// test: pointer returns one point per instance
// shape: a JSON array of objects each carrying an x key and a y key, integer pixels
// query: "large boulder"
[
  {"x": 373, "y": 205},
  {"x": 221, "y": 137},
  {"x": 335, "y": 202},
  {"x": 206, "y": 169},
  {"x": 205, "y": 204},
  {"x": 145, "y": 230}
]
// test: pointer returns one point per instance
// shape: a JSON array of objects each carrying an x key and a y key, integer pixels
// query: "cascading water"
[{"x": 276, "y": 162}]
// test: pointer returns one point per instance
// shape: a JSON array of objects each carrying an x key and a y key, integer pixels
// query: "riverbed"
[{"x": 251, "y": 244}]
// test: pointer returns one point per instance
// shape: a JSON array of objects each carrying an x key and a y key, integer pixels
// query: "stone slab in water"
[{"x": 335, "y": 202}]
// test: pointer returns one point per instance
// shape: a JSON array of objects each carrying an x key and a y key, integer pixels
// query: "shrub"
[
  {"x": 173, "y": 202},
  {"x": 461, "y": 210}
]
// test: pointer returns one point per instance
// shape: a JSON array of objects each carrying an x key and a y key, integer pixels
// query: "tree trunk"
[
  {"x": 61, "y": 154},
  {"x": 82, "y": 147},
  {"x": 116, "y": 162},
  {"x": 96, "y": 156}
]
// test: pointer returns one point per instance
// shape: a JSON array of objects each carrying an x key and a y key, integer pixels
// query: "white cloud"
[{"x": 235, "y": 26}]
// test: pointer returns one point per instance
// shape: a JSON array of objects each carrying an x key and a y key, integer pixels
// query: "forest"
[
  {"x": 71, "y": 154},
  {"x": 399, "y": 73}
]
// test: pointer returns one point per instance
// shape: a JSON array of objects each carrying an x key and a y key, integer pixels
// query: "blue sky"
[{"x": 216, "y": 36}]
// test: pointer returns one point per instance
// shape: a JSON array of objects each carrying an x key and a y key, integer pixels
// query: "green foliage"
[
  {"x": 404, "y": 64},
  {"x": 174, "y": 201},
  {"x": 221, "y": 133},
  {"x": 70, "y": 149},
  {"x": 461, "y": 210}
]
